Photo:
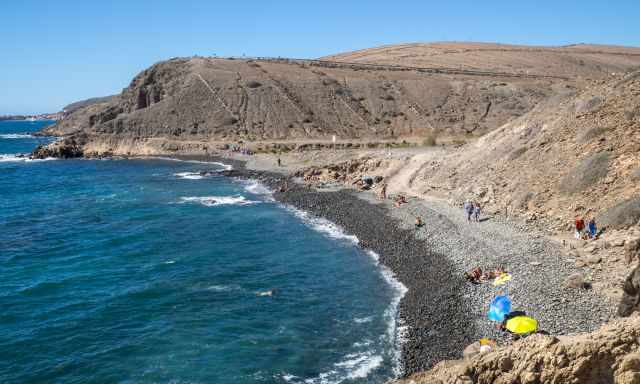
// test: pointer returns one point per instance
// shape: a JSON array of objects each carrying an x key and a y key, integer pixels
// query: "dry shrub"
[{"x": 430, "y": 140}]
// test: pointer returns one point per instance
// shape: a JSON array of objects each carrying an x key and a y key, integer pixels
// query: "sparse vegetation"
[
  {"x": 430, "y": 140},
  {"x": 590, "y": 134}
]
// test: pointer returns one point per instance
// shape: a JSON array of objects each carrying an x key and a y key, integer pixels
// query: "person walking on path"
[
  {"x": 279, "y": 162},
  {"x": 476, "y": 212}
]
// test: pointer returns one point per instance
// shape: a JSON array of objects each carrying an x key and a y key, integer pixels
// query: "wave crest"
[
  {"x": 189, "y": 175},
  {"x": 212, "y": 201},
  {"x": 14, "y": 158},
  {"x": 16, "y": 136}
]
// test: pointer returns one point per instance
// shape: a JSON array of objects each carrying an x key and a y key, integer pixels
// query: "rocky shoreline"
[
  {"x": 428, "y": 276},
  {"x": 442, "y": 312}
]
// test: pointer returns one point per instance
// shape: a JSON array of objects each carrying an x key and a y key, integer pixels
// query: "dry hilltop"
[
  {"x": 539, "y": 133},
  {"x": 190, "y": 105}
]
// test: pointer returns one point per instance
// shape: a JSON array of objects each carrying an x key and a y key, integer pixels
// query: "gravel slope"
[{"x": 538, "y": 267}]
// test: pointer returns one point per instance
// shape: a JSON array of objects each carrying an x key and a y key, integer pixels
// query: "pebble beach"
[{"x": 442, "y": 313}]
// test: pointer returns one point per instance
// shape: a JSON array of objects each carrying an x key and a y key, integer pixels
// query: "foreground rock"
[{"x": 609, "y": 355}]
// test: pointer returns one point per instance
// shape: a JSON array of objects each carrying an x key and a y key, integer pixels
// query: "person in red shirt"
[{"x": 579, "y": 227}]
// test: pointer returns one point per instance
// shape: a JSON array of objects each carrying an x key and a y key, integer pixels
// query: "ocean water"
[{"x": 142, "y": 271}]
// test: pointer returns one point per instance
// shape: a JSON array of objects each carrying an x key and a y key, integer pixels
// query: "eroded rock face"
[
  {"x": 209, "y": 98},
  {"x": 609, "y": 355}
]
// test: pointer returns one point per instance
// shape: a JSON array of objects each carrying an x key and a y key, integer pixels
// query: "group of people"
[
  {"x": 233, "y": 148},
  {"x": 588, "y": 231},
  {"x": 472, "y": 210}
]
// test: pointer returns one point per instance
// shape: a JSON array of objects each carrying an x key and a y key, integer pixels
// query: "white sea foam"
[
  {"x": 189, "y": 175},
  {"x": 362, "y": 320},
  {"x": 359, "y": 366},
  {"x": 255, "y": 187},
  {"x": 289, "y": 378},
  {"x": 16, "y": 158},
  {"x": 226, "y": 167},
  {"x": 16, "y": 136},
  {"x": 360, "y": 344},
  {"x": 169, "y": 262},
  {"x": 219, "y": 288},
  {"x": 353, "y": 366},
  {"x": 212, "y": 201},
  {"x": 323, "y": 226},
  {"x": 396, "y": 330}
]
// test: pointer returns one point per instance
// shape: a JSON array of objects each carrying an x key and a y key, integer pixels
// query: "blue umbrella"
[{"x": 499, "y": 308}]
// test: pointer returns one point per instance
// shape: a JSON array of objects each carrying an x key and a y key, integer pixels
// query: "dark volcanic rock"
[{"x": 65, "y": 149}]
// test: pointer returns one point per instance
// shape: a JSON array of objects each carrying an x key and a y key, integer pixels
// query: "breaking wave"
[
  {"x": 189, "y": 175},
  {"x": 16, "y": 136},
  {"x": 323, "y": 226},
  {"x": 14, "y": 158},
  {"x": 257, "y": 188},
  {"x": 212, "y": 201},
  {"x": 360, "y": 365},
  {"x": 225, "y": 167}
]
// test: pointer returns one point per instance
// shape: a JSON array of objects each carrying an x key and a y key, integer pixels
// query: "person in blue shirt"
[{"x": 593, "y": 230}]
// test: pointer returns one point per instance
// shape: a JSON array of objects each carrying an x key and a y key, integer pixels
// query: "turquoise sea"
[{"x": 142, "y": 271}]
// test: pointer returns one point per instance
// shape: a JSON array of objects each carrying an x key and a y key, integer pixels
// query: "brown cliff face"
[{"x": 262, "y": 100}]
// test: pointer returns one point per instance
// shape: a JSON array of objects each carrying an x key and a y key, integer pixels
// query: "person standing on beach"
[
  {"x": 593, "y": 230},
  {"x": 468, "y": 209},
  {"x": 476, "y": 212},
  {"x": 579, "y": 227},
  {"x": 279, "y": 162},
  {"x": 383, "y": 192}
]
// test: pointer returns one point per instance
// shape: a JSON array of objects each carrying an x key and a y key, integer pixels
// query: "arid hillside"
[
  {"x": 571, "y": 155},
  {"x": 190, "y": 105},
  {"x": 586, "y": 61}
]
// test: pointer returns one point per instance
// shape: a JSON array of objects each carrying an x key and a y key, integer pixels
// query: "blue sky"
[{"x": 57, "y": 52}]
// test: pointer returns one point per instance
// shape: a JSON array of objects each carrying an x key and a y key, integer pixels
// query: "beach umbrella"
[
  {"x": 499, "y": 308},
  {"x": 502, "y": 279},
  {"x": 522, "y": 324}
]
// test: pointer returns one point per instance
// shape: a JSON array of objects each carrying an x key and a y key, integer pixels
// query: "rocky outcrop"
[
  {"x": 63, "y": 149},
  {"x": 609, "y": 355}
]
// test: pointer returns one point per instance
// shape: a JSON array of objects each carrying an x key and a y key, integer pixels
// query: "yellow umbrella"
[
  {"x": 522, "y": 324},
  {"x": 502, "y": 279}
]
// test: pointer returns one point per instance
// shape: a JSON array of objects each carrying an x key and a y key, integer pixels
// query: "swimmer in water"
[{"x": 269, "y": 293}]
